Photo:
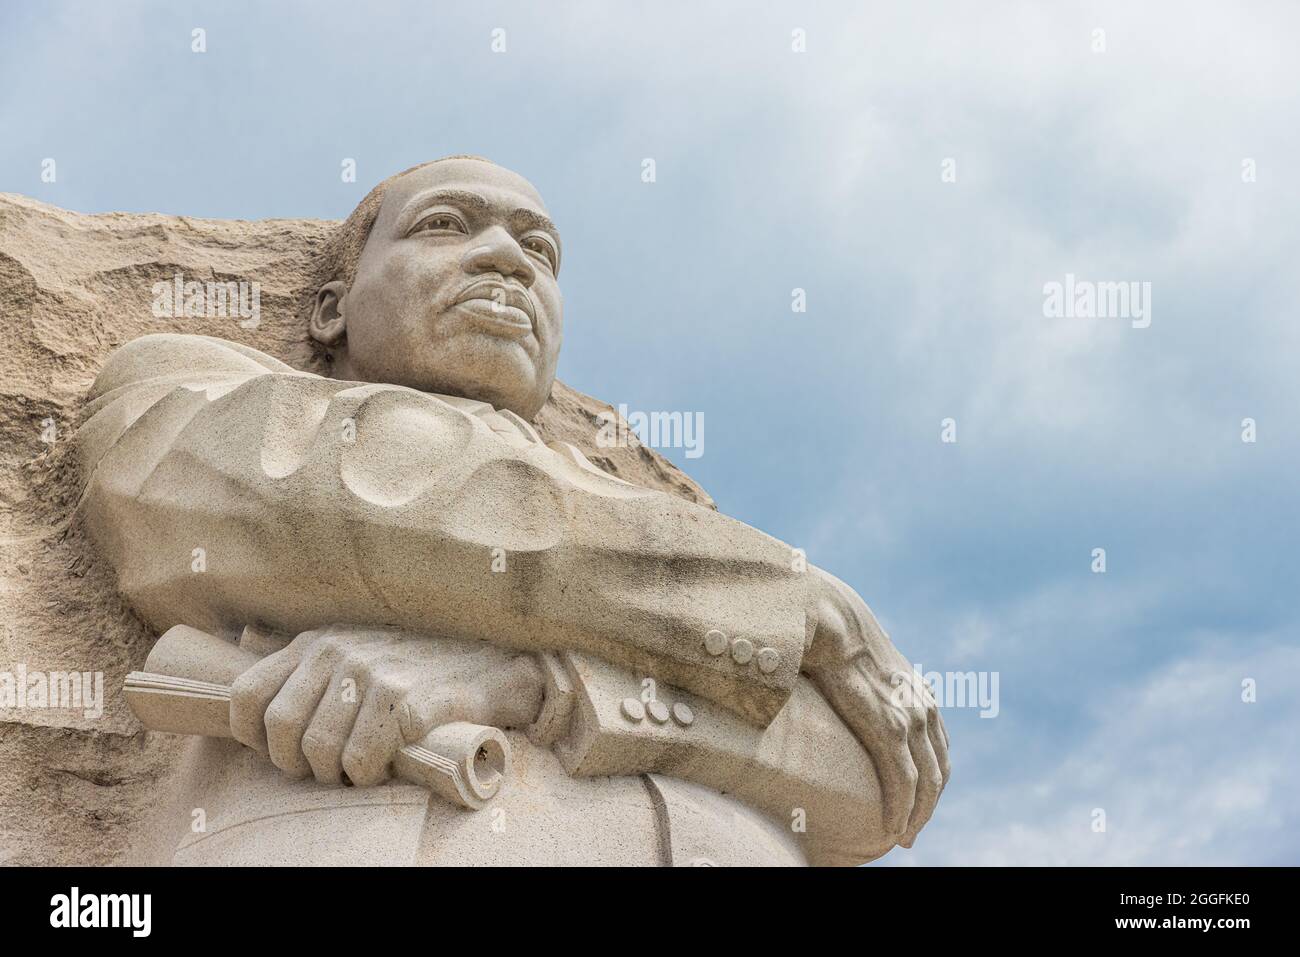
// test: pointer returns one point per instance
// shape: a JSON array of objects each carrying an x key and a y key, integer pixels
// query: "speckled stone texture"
[{"x": 73, "y": 287}]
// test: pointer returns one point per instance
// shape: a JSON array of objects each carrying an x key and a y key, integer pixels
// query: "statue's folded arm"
[
  {"x": 805, "y": 770},
  {"x": 227, "y": 489}
]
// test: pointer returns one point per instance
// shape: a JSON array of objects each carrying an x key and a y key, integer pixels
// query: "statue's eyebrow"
[
  {"x": 520, "y": 218},
  {"x": 457, "y": 197},
  {"x": 523, "y": 219}
]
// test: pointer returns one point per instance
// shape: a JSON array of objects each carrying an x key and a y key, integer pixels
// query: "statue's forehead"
[{"x": 496, "y": 184}]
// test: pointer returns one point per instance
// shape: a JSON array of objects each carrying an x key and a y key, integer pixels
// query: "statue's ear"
[{"x": 328, "y": 323}]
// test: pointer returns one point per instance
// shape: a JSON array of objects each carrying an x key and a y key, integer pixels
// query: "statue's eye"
[
  {"x": 440, "y": 223},
  {"x": 543, "y": 247}
]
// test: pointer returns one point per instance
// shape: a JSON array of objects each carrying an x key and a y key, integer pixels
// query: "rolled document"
[{"x": 462, "y": 762}]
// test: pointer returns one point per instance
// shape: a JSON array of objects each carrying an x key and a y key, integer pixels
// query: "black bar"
[{"x": 983, "y": 906}]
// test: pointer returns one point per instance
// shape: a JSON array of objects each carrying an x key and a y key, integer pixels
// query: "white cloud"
[{"x": 1185, "y": 771}]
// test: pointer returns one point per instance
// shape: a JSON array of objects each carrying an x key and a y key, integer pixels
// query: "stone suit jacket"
[
  {"x": 307, "y": 500},
  {"x": 229, "y": 490}
]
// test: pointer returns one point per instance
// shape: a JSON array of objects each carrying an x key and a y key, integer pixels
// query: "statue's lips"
[{"x": 498, "y": 307}]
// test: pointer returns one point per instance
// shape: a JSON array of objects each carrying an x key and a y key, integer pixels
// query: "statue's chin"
[
  {"x": 524, "y": 406},
  {"x": 489, "y": 369},
  {"x": 502, "y": 383}
]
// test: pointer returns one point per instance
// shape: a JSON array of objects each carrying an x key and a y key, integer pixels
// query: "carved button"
[
  {"x": 658, "y": 711},
  {"x": 768, "y": 659},
  {"x": 683, "y": 714},
  {"x": 715, "y": 642},
  {"x": 633, "y": 709},
  {"x": 742, "y": 649}
]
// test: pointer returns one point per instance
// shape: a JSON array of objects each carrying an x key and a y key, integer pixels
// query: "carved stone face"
[{"x": 456, "y": 289}]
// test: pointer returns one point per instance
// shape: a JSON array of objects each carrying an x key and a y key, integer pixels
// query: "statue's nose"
[{"x": 497, "y": 251}]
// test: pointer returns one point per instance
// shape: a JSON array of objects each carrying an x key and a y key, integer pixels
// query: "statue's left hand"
[
  {"x": 880, "y": 697},
  {"x": 342, "y": 700}
]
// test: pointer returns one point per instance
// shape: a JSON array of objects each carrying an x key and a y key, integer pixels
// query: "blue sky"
[{"x": 822, "y": 170}]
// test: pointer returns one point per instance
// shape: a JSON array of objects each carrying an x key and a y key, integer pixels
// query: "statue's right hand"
[{"x": 339, "y": 702}]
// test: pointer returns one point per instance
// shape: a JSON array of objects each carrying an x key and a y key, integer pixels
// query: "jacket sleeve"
[{"x": 228, "y": 489}]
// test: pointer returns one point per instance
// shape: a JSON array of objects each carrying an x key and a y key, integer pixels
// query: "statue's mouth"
[{"x": 500, "y": 302}]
